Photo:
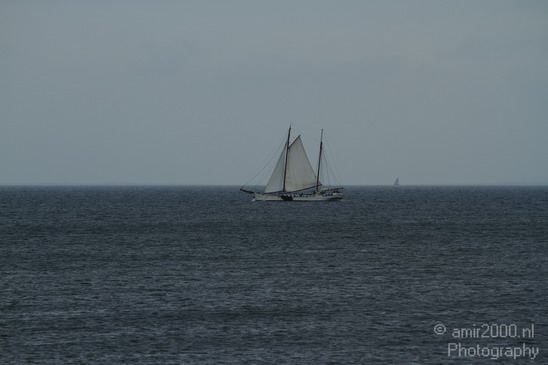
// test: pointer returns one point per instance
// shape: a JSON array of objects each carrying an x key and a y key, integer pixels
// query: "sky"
[{"x": 202, "y": 92}]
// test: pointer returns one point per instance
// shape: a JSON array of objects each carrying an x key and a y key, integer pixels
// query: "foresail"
[
  {"x": 276, "y": 182},
  {"x": 299, "y": 173}
]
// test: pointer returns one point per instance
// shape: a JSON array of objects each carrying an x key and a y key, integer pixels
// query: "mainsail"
[{"x": 296, "y": 170}]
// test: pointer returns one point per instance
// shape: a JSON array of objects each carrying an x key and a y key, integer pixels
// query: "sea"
[{"x": 203, "y": 275}]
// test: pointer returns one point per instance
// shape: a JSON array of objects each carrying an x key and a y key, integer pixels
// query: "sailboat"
[
  {"x": 397, "y": 182},
  {"x": 294, "y": 179}
]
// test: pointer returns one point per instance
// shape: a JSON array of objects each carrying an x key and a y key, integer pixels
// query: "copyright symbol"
[{"x": 439, "y": 329}]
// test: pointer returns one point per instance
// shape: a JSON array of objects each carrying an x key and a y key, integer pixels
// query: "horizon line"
[{"x": 237, "y": 185}]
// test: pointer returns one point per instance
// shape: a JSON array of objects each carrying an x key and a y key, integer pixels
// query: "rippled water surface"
[{"x": 204, "y": 275}]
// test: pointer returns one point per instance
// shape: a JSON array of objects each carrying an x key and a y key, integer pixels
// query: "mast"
[
  {"x": 286, "y": 155},
  {"x": 319, "y": 163}
]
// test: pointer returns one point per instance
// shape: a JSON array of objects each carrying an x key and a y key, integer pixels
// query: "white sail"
[
  {"x": 276, "y": 182},
  {"x": 299, "y": 173}
]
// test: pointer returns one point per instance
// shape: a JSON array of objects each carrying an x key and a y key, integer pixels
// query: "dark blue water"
[{"x": 203, "y": 275}]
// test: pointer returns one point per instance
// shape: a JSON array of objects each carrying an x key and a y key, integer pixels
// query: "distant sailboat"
[
  {"x": 397, "y": 182},
  {"x": 294, "y": 179}
]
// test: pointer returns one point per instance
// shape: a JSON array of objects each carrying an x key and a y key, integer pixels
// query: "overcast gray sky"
[{"x": 202, "y": 92}]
